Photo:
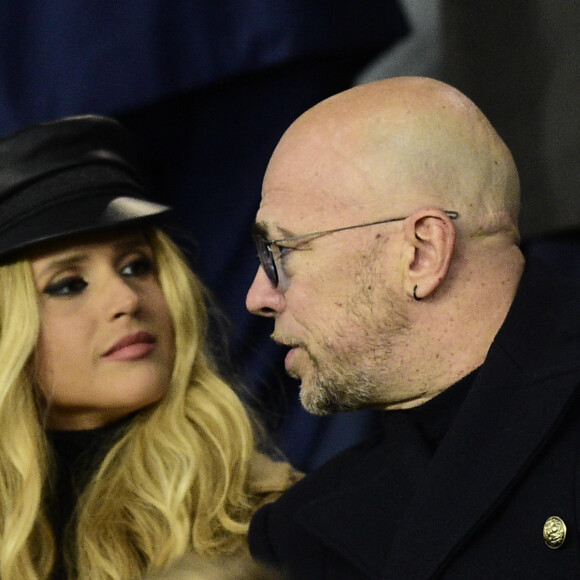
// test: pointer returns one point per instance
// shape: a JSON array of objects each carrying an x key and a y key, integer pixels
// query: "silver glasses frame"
[{"x": 268, "y": 260}]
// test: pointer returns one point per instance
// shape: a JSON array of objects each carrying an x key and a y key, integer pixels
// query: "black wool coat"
[{"x": 508, "y": 463}]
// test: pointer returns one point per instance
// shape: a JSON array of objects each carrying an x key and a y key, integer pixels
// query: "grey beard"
[
  {"x": 354, "y": 378},
  {"x": 337, "y": 390}
]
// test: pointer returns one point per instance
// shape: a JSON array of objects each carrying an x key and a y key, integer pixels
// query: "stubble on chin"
[
  {"x": 332, "y": 390},
  {"x": 355, "y": 376}
]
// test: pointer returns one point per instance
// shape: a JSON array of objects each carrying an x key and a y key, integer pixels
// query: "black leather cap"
[{"x": 73, "y": 175}]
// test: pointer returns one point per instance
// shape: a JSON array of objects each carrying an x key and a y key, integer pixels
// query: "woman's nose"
[{"x": 121, "y": 298}]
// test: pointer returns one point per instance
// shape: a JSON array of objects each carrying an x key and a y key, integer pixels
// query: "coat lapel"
[
  {"x": 499, "y": 431},
  {"x": 352, "y": 519}
]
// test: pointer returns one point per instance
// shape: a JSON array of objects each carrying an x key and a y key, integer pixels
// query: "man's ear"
[{"x": 430, "y": 238}]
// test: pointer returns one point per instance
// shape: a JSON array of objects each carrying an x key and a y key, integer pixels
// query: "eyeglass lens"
[{"x": 266, "y": 258}]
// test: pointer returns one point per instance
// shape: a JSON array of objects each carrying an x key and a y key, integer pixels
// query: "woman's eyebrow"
[{"x": 62, "y": 263}]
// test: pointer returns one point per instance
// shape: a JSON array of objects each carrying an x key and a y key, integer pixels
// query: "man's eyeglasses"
[{"x": 266, "y": 256}]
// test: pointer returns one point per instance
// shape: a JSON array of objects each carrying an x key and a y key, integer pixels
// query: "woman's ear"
[{"x": 430, "y": 238}]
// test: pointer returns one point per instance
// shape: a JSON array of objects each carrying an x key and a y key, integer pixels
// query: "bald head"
[
  {"x": 406, "y": 305},
  {"x": 401, "y": 144}
]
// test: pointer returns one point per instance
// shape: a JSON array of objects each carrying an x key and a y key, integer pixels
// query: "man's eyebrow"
[{"x": 259, "y": 229}]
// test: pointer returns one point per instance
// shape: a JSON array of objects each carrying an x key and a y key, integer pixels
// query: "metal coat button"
[{"x": 554, "y": 532}]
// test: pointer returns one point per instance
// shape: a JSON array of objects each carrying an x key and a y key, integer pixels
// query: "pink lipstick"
[{"x": 131, "y": 347}]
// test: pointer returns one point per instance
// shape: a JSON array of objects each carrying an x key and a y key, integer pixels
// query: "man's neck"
[{"x": 451, "y": 332}]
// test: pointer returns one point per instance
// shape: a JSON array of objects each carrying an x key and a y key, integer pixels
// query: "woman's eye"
[
  {"x": 138, "y": 267},
  {"x": 66, "y": 287}
]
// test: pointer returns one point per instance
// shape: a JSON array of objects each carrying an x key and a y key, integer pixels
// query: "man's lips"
[
  {"x": 293, "y": 345},
  {"x": 131, "y": 347},
  {"x": 289, "y": 356}
]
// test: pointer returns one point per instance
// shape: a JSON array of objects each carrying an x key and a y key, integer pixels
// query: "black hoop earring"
[{"x": 415, "y": 294}]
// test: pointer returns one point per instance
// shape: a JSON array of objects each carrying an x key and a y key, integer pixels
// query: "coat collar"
[{"x": 518, "y": 399}]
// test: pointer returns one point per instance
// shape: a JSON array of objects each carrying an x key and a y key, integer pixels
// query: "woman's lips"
[{"x": 131, "y": 347}]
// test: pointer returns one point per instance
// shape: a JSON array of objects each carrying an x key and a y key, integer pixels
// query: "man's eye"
[
  {"x": 138, "y": 267},
  {"x": 283, "y": 251},
  {"x": 66, "y": 287}
]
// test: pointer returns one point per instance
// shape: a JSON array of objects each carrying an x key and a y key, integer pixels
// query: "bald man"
[{"x": 389, "y": 264}]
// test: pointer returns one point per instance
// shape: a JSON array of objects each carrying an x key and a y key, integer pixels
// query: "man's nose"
[{"x": 262, "y": 298}]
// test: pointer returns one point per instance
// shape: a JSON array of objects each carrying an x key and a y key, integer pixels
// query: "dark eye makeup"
[
  {"x": 68, "y": 286},
  {"x": 72, "y": 285}
]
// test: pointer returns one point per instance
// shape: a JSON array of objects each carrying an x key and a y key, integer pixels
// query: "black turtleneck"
[
  {"x": 77, "y": 455},
  {"x": 434, "y": 417}
]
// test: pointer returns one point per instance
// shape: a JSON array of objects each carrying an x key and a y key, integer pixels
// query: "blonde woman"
[{"x": 121, "y": 447}]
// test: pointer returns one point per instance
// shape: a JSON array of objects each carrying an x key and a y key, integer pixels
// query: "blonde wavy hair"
[{"x": 175, "y": 481}]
